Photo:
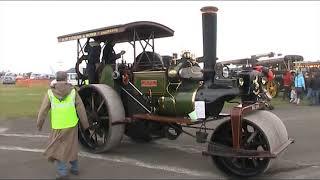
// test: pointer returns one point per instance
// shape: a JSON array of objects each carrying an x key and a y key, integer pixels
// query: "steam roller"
[{"x": 159, "y": 97}]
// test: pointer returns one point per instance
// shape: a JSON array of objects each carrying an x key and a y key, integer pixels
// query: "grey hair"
[{"x": 61, "y": 76}]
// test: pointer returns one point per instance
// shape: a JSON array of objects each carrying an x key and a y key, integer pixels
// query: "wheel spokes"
[
  {"x": 104, "y": 117},
  {"x": 254, "y": 162},
  {"x": 102, "y": 102},
  {"x": 97, "y": 138},
  {"x": 252, "y": 139},
  {"x": 92, "y": 102},
  {"x": 93, "y": 132},
  {"x": 95, "y": 110}
]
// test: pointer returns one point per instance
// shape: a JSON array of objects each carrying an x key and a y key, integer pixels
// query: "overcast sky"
[{"x": 29, "y": 30}]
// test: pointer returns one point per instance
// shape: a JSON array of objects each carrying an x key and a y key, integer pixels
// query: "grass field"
[{"x": 18, "y": 102}]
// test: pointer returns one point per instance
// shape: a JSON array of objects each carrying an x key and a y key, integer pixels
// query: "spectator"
[
  {"x": 287, "y": 82},
  {"x": 308, "y": 84},
  {"x": 299, "y": 84},
  {"x": 315, "y": 89},
  {"x": 311, "y": 86},
  {"x": 267, "y": 72},
  {"x": 293, "y": 95}
]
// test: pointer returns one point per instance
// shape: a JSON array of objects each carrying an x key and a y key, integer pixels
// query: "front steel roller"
[
  {"x": 262, "y": 131},
  {"x": 105, "y": 113}
]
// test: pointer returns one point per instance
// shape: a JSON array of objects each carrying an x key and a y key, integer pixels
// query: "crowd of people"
[{"x": 298, "y": 85}]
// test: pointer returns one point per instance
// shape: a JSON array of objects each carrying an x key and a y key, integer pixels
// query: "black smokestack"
[{"x": 209, "y": 31}]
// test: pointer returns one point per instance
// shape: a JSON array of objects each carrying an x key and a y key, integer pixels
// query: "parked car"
[
  {"x": 9, "y": 80},
  {"x": 35, "y": 76}
]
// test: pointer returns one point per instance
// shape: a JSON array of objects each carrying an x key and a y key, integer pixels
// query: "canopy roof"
[
  {"x": 307, "y": 62},
  {"x": 263, "y": 61},
  {"x": 122, "y": 33},
  {"x": 285, "y": 59},
  {"x": 237, "y": 61}
]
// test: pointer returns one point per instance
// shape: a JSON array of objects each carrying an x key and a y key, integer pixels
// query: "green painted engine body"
[
  {"x": 169, "y": 99},
  {"x": 180, "y": 102},
  {"x": 106, "y": 76},
  {"x": 154, "y": 81}
]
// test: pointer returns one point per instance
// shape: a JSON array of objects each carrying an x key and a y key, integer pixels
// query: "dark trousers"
[
  {"x": 309, "y": 93},
  {"x": 299, "y": 92},
  {"x": 286, "y": 93},
  {"x": 315, "y": 97},
  {"x": 91, "y": 70}
]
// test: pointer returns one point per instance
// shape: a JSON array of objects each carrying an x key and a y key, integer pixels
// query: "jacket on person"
[
  {"x": 315, "y": 82},
  {"x": 94, "y": 52},
  {"x": 299, "y": 81},
  {"x": 287, "y": 79},
  {"x": 265, "y": 71},
  {"x": 307, "y": 80},
  {"x": 63, "y": 143},
  {"x": 109, "y": 55}
]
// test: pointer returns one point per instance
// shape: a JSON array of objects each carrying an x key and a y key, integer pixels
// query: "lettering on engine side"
[{"x": 149, "y": 83}]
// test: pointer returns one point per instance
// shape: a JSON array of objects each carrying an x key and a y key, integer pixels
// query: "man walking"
[{"x": 65, "y": 104}]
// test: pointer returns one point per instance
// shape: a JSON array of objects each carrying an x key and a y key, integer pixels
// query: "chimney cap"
[{"x": 209, "y": 9}]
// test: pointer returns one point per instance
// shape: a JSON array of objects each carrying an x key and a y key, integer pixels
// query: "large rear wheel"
[{"x": 104, "y": 109}]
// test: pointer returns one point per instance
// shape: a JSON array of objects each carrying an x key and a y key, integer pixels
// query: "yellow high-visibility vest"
[{"x": 63, "y": 113}]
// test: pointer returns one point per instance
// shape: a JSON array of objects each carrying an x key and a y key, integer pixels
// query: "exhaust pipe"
[{"x": 209, "y": 33}]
